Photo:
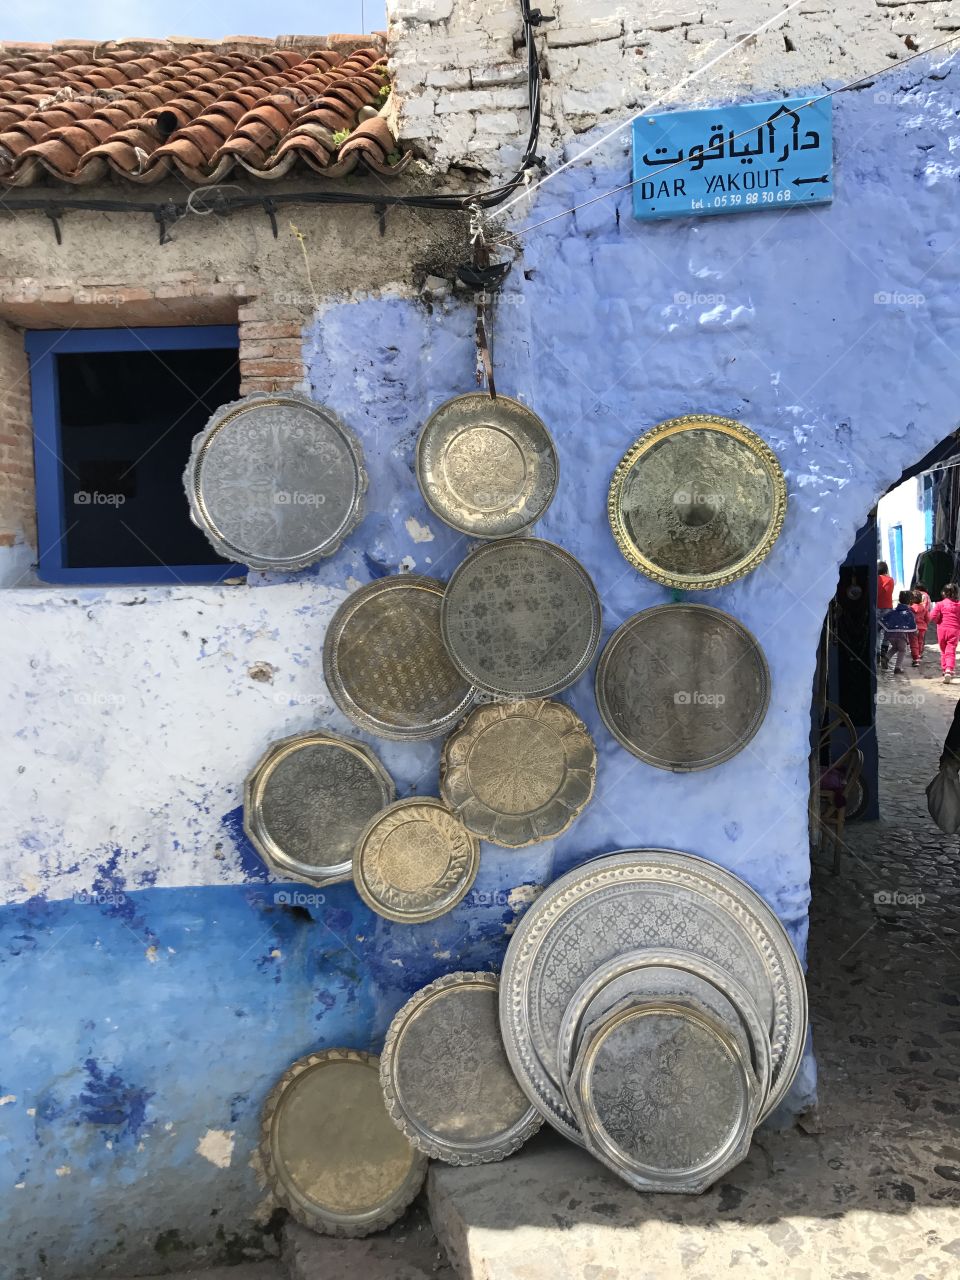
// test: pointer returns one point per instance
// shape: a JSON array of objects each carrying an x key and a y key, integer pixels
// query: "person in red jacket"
[{"x": 884, "y": 602}]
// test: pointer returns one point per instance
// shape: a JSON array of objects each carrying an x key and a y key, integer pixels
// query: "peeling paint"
[{"x": 216, "y": 1145}]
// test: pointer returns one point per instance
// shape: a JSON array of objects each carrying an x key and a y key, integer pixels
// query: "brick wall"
[
  {"x": 17, "y": 516},
  {"x": 460, "y": 72},
  {"x": 270, "y": 330}
]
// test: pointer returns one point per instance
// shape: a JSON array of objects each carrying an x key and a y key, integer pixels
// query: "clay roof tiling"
[{"x": 140, "y": 111}]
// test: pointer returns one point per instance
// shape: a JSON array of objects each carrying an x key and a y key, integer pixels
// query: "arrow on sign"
[{"x": 801, "y": 182}]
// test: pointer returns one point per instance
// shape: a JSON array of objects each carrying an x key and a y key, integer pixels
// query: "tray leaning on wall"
[
  {"x": 697, "y": 502},
  {"x": 275, "y": 481}
]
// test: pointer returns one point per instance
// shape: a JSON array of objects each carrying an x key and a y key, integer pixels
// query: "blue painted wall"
[{"x": 136, "y": 1026}]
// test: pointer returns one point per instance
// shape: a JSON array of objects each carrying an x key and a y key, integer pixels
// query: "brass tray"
[
  {"x": 415, "y": 861},
  {"x": 330, "y": 1153},
  {"x": 446, "y": 1078},
  {"x": 275, "y": 481},
  {"x": 683, "y": 686},
  {"x": 664, "y": 1096},
  {"x": 385, "y": 664},
  {"x": 639, "y": 972},
  {"x": 625, "y": 901},
  {"x": 521, "y": 618},
  {"x": 697, "y": 502},
  {"x": 485, "y": 466},
  {"x": 308, "y": 799},
  {"x": 515, "y": 773}
]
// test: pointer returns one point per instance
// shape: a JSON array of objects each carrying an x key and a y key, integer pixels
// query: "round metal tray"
[
  {"x": 634, "y": 973},
  {"x": 521, "y": 618},
  {"x": 330, "y": 1153},
  {"x": 415, "y": 861},
  {"x": 628, "y": 900},
  {"x": 307, "y": 801},
  {"x": 664, "y": 1097},
  {"x": 275, "y": 481},
  {"x": 683, "y": 686},
  {"x": 446, "y": 1078},
  {"x": 385, "y": 664},
  {"x": 697, "y": 502},
  {"x": 485, "y": 466},
  {"x": 518, "y": 772}
]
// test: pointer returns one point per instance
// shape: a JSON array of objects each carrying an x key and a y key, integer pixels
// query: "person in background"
[
  {"x": 920, "y": 608},
  {"x": 899, "y": 625},
  {"x": 884, "y": 602},
  {"x": 946, "y": 614}
]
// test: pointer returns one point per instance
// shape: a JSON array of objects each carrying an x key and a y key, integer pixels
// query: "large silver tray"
[
  {"x": 683, "y": 686},
  {"x": 275, "y": 481},
  {"x": 330, "y": 1153},
  {"x": 385, "y": 664},
  {"x": 486, "y": 466},
  {"x": 663, "y": 1095},
  {"x": 307, "y": 800},
  {"x": 446, "y": 1078},
  {"x": 622, "y": 902},
  {"x": 521, "y": 618},
  {"x": 518, "y": 772},
  {"x": 643, "y": 973}
]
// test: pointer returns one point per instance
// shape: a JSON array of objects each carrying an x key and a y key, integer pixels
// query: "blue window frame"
[
  {"x": 895, "y": 540},
  {"x": 139, "y": 442}
]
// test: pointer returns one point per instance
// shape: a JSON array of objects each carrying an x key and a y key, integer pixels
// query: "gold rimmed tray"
[
  {"x": 697, "y": 502},
  {"x": 330, "y": 1152}
]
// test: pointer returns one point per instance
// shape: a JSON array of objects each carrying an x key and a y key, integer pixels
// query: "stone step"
[
  {"x": 407, "y": 1251},
  {"x": 243, "y": 1271},
  {"x": 801, "y": 1206}
]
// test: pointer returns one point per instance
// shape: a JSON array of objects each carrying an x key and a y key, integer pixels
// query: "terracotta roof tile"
[{"x": 142, "y": 110}]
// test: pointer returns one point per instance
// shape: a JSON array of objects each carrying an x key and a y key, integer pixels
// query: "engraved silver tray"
[
  {"x": 308, "y": 799},
  {"x": 662, "y": 971},
  {"x": 385, "y": 664},
  {"x": 330, "y": 1153},
  {"x": 518, "y": 772},
  {"x": 521, "y": 618},
  {"x": 663, "y": 1096},
  {"x": 629, "y": 900},
  {"x": 275, "y": 481},
  {"x": 683, "y": 686},
  {"x": 445, "y": 1076},
  {"x": 485, "y": 466}
]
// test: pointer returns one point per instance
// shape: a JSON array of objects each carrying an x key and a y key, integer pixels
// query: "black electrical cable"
[{"x": 167, "y": 212}]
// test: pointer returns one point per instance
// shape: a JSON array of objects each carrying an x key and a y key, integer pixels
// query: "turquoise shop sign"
[{"x": 733, "y": 159}]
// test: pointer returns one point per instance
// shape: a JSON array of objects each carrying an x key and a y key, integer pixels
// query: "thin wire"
[
  {"x": 874, "y": 75},
  {"x": 649, "y": 107}
]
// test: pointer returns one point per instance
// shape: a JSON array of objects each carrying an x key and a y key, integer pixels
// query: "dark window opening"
[{"x": 115, "y": 415}]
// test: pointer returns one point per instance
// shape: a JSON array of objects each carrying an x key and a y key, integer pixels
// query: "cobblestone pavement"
[{"x": 884, "y": 956}]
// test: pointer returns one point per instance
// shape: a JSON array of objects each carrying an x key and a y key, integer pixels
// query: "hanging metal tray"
[
  {"x": 446, "y": 1079},
  {"x": 307, "y": 801},
  {"x": 385, "y": 664},
  {"x": 628, "y": 900},
  {"x": 667, "y": 973},
  {"x": 697, "y": 502},
  {"x": 486, "y": 466},
  {"x": 330, "y": 1153},
  {"x": 415, "y": 861},
  {"x": 518, "y": 772},
  {"x": 275, "y": 481},
  {"x": 664, "y": 1097},
  {"x": 521, "y": 618},
  {"x": 683, "y": 686}
]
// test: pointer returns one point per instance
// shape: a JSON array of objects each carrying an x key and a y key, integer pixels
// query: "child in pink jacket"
[{"x": 946, "y": 614}]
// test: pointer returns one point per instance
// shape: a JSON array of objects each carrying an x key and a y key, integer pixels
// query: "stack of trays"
[{"x": 654, "y": 1011}]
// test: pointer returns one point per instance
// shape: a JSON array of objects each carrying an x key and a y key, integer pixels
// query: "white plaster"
[
  {"x": 417, "y": 531},
  {"x": 216, "y": 1145},
  {"x": 63, "y": 1171},
  {"x": 7, "y": 1099}
]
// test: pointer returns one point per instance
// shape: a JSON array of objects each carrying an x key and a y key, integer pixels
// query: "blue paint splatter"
[
  {"x": 250, "y": 861},
  {"x": 376, "y": 568},
  {"x": 108, "y": 1101}
]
